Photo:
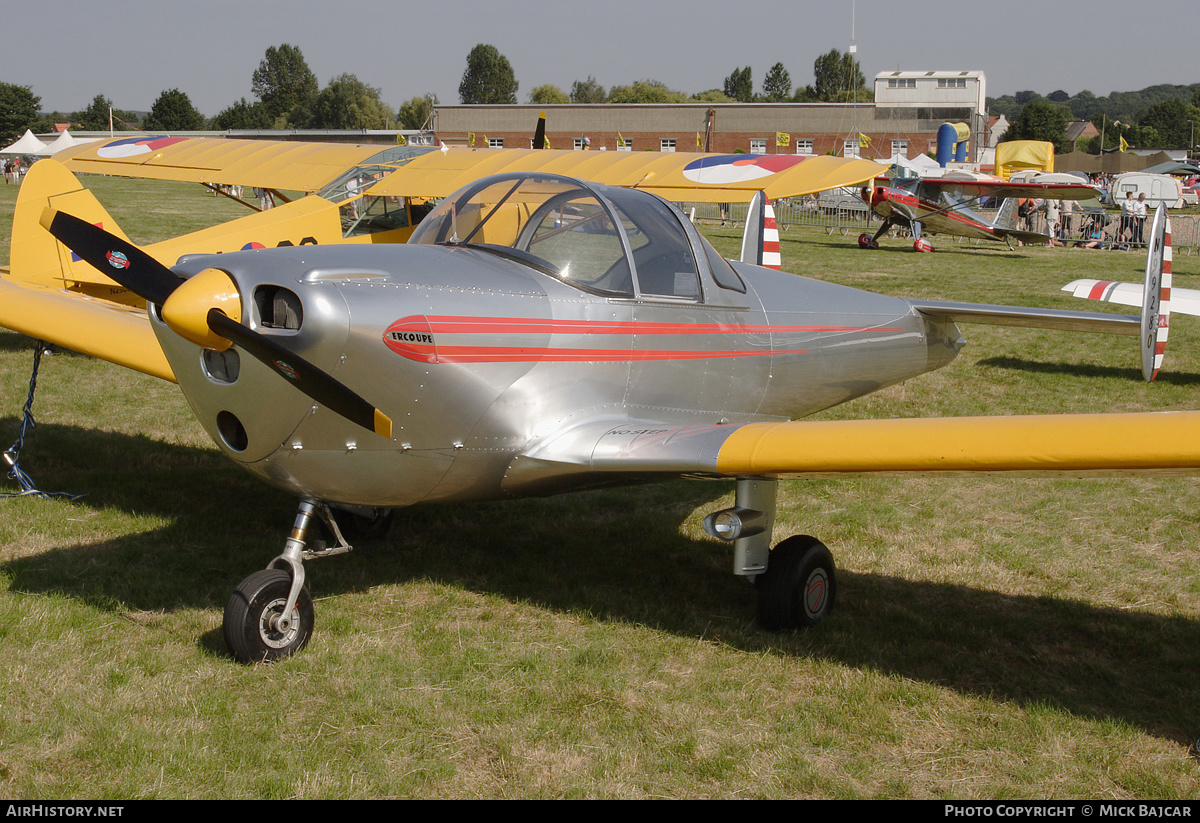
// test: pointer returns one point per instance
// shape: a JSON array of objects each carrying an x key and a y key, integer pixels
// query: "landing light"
[{"x": 730, "y": 524}]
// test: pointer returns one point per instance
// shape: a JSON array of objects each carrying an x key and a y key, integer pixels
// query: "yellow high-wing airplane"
[{"x": 356, "y": 195}]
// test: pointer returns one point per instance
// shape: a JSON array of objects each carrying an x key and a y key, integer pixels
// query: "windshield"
[{"x": 583, "y": 235}]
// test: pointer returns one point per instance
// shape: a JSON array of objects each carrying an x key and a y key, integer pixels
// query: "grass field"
[{"x": 994, "y": 637}]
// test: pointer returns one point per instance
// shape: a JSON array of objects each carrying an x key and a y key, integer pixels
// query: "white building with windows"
[{"x": 931, "y": 90}]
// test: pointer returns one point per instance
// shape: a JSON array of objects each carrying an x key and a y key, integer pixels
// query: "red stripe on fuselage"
[
  {"x": 533, "y": 325},
  {"x": 417, "y": 338}
]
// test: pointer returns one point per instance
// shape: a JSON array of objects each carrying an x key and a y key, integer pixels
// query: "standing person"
[
  {"x": 1068, "y": 219},
  {"x": 1139, "y": 218},
  {"x": 1127, "y": 207},
  {"x": 1052, "y": 219}
]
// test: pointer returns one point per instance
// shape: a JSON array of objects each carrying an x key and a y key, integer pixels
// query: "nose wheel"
[
  {"x": 258, "y": 629},
  {"x": 270, "y": 613}
]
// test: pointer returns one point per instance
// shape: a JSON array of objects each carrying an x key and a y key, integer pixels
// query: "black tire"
[
  {"x": 248, "y": 632},
  {"x": 799, "y": 587}
]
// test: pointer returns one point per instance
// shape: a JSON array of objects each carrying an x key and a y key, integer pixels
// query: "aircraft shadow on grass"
[
  {"x": 586, "y": 553},
  {"x": 1088, "y": 370}
]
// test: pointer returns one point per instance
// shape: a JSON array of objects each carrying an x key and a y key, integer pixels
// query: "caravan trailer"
[{"x": 1158, "y": 188}]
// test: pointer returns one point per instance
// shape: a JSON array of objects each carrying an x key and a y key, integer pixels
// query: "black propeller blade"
[
  {"x": 149, "y": 279},
  {"x": 116, "y": 258}
]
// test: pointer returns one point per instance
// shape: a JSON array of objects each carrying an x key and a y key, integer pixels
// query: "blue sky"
[{"x": 69, "y": 51}]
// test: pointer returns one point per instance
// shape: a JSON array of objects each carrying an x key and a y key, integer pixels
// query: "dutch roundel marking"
[
  {"x": 133, "y": 146},
  {"x": 738, "y": 168}
]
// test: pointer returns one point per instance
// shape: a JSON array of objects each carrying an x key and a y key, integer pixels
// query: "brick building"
[{"x": 908, "y": 109}]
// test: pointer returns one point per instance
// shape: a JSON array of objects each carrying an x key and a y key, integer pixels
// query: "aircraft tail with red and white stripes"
[
  {"x": 760, "y": 240},
  {"x": 1155, "y": 295}
]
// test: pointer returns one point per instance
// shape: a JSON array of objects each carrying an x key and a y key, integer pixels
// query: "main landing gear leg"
[
  {"x": 270, "y": 613},
  {"x": 796, "y": 580}
]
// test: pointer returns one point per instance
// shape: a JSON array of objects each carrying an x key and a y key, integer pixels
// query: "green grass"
[{"x": 994, "y": 637}]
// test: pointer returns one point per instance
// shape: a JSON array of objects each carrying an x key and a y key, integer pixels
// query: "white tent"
[
  {"x": 921, "y": 166},
  {"x": 28, "y": 144},
  {"x": 65, "y": 141}
]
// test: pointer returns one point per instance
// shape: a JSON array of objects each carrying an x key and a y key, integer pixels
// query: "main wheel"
[
  {"x": 799, "y": 587},
  {"x": 250, "y": 618}
]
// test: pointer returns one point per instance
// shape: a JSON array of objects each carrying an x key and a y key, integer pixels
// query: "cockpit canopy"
[{"x": 598, "y": 238}]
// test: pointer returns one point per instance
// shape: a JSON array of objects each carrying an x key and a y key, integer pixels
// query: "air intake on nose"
[{"x": 278, "y": 308}]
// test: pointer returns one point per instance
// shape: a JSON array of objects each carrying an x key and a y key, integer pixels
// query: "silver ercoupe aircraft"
[{"x": 540, "y": 334}]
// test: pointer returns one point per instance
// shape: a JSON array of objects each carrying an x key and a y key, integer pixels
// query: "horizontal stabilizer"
[
  {"x": 100, "y": 328},
  {"x": 1027, "y": 317}
]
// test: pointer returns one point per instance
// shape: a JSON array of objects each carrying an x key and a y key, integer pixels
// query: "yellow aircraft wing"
[
  {"x": 430, "y": 173},
  {"x": 1066, "y": 444},
  {"x": 269, "y": 164},
  {"x": 677, "y": 176}
]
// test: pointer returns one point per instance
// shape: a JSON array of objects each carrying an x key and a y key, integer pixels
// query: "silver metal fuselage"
[{"x": 478, "y": 358}]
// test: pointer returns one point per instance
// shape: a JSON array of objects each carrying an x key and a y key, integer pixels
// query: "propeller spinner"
[{"x": 207, "y": 311}]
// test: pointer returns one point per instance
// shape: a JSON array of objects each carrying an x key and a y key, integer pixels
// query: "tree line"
[
  {"x": 288, "y": 96},
  {"x": 489, "y": 79},
  {"x": 1162, "y": 116}
]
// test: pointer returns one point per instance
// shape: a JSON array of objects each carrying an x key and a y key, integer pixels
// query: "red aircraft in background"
[{"x": 943, "y": 205}]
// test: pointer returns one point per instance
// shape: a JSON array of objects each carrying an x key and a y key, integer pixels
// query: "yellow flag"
[
  {"x": 471, "y": 139},
  {"x": 401, "y": 140},
  {"x": 699, "y": 141},
  {"x": 1124, "y": 145},
  {"x": 863, "y": 140},
  {"x": 484, "y": 141},
  {"x": 783, "y": 139},
  {"x": 546, "y": 141},
  {"x": 620, "y": 141}
]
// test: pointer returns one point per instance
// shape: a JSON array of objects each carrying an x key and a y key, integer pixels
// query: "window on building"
[
  {"x": 666, "y": 144},
  {"x": 952, "y": 82},
  {"x": 902, "y": 82},
  {"x": 758, "y": 145},
  {"x": 804, "y": 145},
  {"x": 580, "y": 143},
  {"x": 850, "y": 147},
  {"x": 900, "y": 147},
  {"x": 495, "y": 142}
]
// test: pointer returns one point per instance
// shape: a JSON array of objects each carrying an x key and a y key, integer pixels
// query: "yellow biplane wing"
[{"x": 426, "y": 172}]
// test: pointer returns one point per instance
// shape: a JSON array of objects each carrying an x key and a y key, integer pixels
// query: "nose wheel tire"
[
  {"x": 799, "y": 587},
  {"x": 252, "y": 626}
]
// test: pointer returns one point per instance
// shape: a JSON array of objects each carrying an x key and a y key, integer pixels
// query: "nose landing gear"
[{"x": 270, "y": 613}]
